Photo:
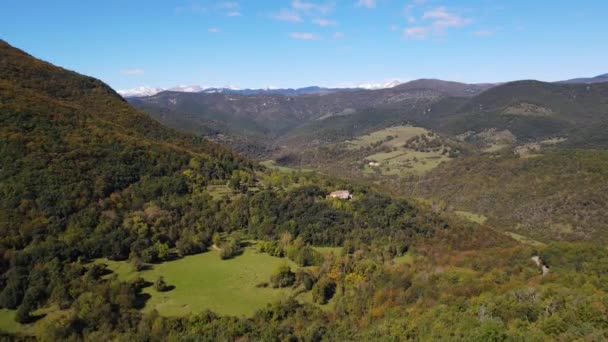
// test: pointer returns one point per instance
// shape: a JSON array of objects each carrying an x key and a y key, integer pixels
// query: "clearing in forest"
[
  {"x": 396, "y": 154},
  {"x": 204, "y": 281}
]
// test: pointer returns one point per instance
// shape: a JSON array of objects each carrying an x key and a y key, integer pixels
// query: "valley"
[
  {"x": 412, "y": 212},
  {"x": 415, "y": 139}
]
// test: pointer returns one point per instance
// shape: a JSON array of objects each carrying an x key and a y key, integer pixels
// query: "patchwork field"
[
  {"x": 400, "y": 135},
  {"x": 396, "y": 158}
]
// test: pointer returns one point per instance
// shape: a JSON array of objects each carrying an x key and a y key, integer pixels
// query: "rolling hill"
[
  {"x": 586, "y": 80},
  {"x": 244, "y": 118},
  {"x": 86, "y": 176},
  {"x": 102, "y": 209},
  {"x": 530, "y": 110}
]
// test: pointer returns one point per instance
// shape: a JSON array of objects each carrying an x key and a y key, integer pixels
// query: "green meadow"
[
  {"x": 400, "y": 135},
  {"x": 400, "y": 160},
  {"x": 271, "y": 164},
  {"x": 201, "y": 282},
  {"x": 204, "y": 281}
]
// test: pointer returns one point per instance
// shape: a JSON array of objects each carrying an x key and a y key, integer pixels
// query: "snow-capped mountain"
[
  {"x": 383, "y": 85},
  {"x": 149, "y": 91},
  {"x": 187, "y": 88},
  {"x": 140, "y": 91}
]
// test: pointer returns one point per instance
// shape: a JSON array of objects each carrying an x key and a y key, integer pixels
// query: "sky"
[{"x": 295, "y": 43}]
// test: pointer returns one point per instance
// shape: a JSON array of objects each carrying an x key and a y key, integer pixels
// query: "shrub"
[
  {"x": 323, "y": 291},
  {"x": 283, "y": 277},
  {"x": 160, "y": 285}
]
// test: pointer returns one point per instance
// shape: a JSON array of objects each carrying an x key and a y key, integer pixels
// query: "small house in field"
[
  {"x": 373, "y": 163},
  {"x": 341, "y": 194}
]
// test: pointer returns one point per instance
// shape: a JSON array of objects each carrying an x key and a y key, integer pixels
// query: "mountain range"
[
  {"x": 596, "y": 79},
  {"x": 149, "y": 91},
  {"x": 115, "y": 227},
  {"x": 143, "y": 91}
]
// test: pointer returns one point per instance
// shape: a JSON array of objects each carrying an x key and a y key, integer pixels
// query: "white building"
[{"x": 342, "y": 194}]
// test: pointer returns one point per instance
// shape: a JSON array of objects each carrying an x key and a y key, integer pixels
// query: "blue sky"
[{"x": 295, "y": 43}]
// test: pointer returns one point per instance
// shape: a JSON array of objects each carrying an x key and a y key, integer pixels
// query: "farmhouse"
[{"x": 342, "y": 194}]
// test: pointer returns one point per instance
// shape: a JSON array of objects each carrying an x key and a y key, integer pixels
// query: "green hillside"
[
  {"x": 85, "y": 176},
  {"x": 557, "y": 195},
  {"x": 531, "y": 110}
]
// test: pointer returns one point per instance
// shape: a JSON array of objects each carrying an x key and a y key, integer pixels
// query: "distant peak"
[{"x": 381, "y": 85}]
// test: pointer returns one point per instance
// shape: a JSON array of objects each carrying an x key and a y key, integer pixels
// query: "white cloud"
[
  {"x": 435, "y": 22},
  {"x": 416, "y": 32},
  {"x": 338, "y": 35},
  {"x": 288, "y": 15},
  {"x": 324, "y": 22},
  {"x": 230, "y": 9},
  {"x": 133, "y": 72},
  {"x": 230, "y": 5},
  {"x": 311, "y": 6},
  {"x": 484, "y": 33},
  {"x": 442, "y": 18},
  {"x": 304, "y": 36},
  {"x": 214, "y": 30},
  {"x": 193, "y": 8},
  {"x": 367, "y": 3}
]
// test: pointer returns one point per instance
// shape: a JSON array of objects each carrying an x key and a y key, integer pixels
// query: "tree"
[
  {"x": 216, "y": 238},
  {"x": 323, "y": 291},
  {"x": 23, "y": 315},
  {"x": 160, "y": 285},
  {"x": 282, "y": 276}
]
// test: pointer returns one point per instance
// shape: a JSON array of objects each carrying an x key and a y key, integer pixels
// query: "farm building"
[{"x": 342, "y": 194}]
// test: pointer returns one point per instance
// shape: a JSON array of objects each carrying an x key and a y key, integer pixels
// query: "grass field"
[
  {"x": 271, "y": 164},
  {"x": 477, "y": 218},
  {"x": 219, "y": 191},
  {"x": 525, "y": 239},
  {"x": 399, "y": 160},
  {"x": 406, "y": 258},
  {"x": 400, "y": 135},
  {"x": 327, "y": 250},
  {"x": 203, "y": 281},
  {"x": 8, "y": 323}
]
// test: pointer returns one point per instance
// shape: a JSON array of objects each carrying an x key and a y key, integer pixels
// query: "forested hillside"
[
  {"x": 87, "y": 181},
  {"x": 558, "y": 195},
  {"x": 86, "y": 176}
]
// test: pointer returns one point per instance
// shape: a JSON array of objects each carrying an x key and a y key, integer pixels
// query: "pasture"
[
  {"x": 399, "y": 160},
  {"x": 400, "y": 135},
  {"x": 203, "y": 281}
]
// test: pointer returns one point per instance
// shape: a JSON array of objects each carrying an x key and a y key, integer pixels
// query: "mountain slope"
[
  {"x": 587, "y": 80},
  {"x": 530, "y": 110},
  {"x": 72, "y": 149},
  {"x": 84, "y": 176},
  {"x": 275, "y": 115},
  {"x": 558, "y": 195}
]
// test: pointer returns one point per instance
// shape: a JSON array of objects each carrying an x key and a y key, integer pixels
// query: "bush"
[
  {"x": 23, "y": 314},
  {"x": 160, "y": 285},
  {"x": 283, "y": 277},
  {"x": 323, "y": 291},
  {"x": 230, "y": 249}
]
